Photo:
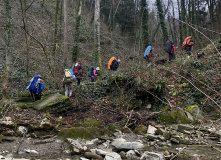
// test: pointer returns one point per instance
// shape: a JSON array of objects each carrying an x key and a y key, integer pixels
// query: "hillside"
[{"x": 180, "y": 100}]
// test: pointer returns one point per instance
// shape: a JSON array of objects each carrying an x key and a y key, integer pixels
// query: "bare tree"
[
  {"x": 97, "y": 34},
  {"x": 75, "y": 51},
  {"x": 8, "y": 49},
  {"x": 56, "y": 27},
  {"x": 65, "y": 31}
]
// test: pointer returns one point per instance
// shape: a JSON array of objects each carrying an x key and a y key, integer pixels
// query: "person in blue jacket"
[
  {"x": 149, "y": 53},
  {"x": 35, "y": 87}
]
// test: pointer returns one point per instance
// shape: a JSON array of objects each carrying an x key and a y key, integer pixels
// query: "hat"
[
  {"x": 98, "y": 68},
  {"x": 118, "y": 60}
]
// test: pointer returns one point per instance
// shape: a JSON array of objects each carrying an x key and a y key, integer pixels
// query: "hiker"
[
  {"x": 187, "y": 44},
  {"x": 113, "y": 64},
  {"x": 78, "y": 72},
  {"x": 35, "y": 87},
  {"x": 170, "y": 49},
  {"x": 149, "y": 53},
  {"x": 93, "y": 72},
  {"x": 67, "y": 81}
]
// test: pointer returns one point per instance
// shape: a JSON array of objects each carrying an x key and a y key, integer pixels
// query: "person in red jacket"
[
  {"x": 78, "y": 72},
  {"x": 172, "y": 56}
]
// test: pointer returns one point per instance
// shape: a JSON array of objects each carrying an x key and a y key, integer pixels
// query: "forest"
[{"x": 151, "y": 97}]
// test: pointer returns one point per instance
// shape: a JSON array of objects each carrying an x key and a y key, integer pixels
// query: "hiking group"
[
  {"x": 76, "y": 72},
  {"x": 170, "y": 49}
]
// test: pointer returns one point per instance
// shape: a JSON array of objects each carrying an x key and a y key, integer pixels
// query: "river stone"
[
  {"x": 173, "y": 140},
  {"x": 77, "y": 147},
  {"x": 152, "y": 156},
  {"x": 151, "y": 130},
  {"x": 93, "y": 156},
  {"x": 160, "y": 131},
  {"x": 131, "y": 155},
  {"x": 151, "y": 137},
  {"x": 22, "y": 130},
  {"x": 182, "y": 127},
  {"x": 7, "y": 121},
  {"x": 99, "y": 151},
  {"x": 50, "y": 101},
  {"x": 45, "y": 124},
  {"x": 121, "y": 143},
  {"x": 112, "y": 156}
]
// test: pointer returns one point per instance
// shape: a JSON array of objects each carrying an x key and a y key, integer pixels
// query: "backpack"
[
  {"x": 168, "y": 46},
  {"x": 35, "y": 83},
  {"x": 110, "y": 62},
  {"x": 186, "y": 43},
  {"x": 90, "y": 70},
  {"x": 147, "y": 52},
  {"x": 114, "y": 65},
  {"x": 67, "y": 76}
]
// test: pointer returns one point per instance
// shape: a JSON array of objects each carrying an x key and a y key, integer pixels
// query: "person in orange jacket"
[{"x": 187, "y": 44}]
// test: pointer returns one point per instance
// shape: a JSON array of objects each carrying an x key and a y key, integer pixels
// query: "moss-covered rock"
[
  {"x": 167, "y": 135},
  {"x": 195, "y": 111},
  {"x": 20, "y": 106},
  {"x": 54, "y": 102},
  {"x": 141, "y": 129},
  {"x": 126, "y": 130},
  {"x": 77, "y": 133},
  {"x": 92, "y": 122},
  {"x": 174, "y": 116}
]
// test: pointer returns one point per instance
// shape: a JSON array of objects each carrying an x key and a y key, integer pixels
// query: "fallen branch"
[{"x": 178, "y": 153}]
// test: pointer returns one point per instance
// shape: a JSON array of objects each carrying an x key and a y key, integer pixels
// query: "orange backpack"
[
  {"x": 110, "y": 61},
  {"x": 186, "y": 42}
]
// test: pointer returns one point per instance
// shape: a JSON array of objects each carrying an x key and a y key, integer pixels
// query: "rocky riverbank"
[
  {"x": 55, "y": 128},
  {"x": 157, "y": 142}
]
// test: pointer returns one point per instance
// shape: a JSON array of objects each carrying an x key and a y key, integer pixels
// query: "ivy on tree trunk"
[{"x": 162, "y": 20}]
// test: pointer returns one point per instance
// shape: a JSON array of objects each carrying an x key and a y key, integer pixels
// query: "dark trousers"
[
  {"x": 92, "y": 79},
  {"x": 35, "y": 96},
  {"x": 171, "y": 57},
  {"x": 188, "y": 50},
  {"x": 79, "y": 81}
]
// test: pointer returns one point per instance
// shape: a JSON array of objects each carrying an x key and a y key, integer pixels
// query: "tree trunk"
[
  {"x": 56, "y": 27},
  {"x": 180, "y": 24},
  {"x": 111, "y": 24},
  {"x": 174, "y": 26},
  {"x": 24, "y": 21},
  {"x": 183, "y": 17},
  {"x": 162, "y": 20},
  {"x": 97, "y": 34},
  {"x": 75, "y": 51},
  {"x": 144, "y": 25},
  {"x": 65, "y": 51},
  {"x": 7, "y": 39}
]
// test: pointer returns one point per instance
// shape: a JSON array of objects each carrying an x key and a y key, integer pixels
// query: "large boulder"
[
  {"x": 122, "y": 144},
  {"x": 55, "y": 102},
  {"x": 174, "y": 116}
]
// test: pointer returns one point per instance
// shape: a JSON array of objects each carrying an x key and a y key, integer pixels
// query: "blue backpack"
[{"x": 35, "y": 83}]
